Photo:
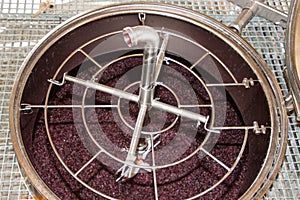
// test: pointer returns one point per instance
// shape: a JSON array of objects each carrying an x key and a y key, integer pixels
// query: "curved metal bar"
[{"x": 293, "y": 56}]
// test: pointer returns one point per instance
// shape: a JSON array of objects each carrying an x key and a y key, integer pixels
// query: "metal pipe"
[
  {"x": 258, "y": 8},
  {"x": 102, "y": 88},
  {"x": 160, "y": 57},
  {"x": 144, "y": 34},
  {"x": 243, "y": 19},
  {"x": 141, "y": 34},
  {"x": 132, "y": 97},
  {"x": 179, "y": 111},
  {"x": 133, "y": 36},
  {"x": 137, "y": 132}
]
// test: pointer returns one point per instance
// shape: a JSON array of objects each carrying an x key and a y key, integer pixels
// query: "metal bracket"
[
  {"x": 209, "y": 129},
  {"x": 26, "y": 108},
  {"x": 252, "y": 8},
  {"x": 55, "y": 82}
]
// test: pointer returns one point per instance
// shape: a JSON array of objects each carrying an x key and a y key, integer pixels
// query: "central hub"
[{"x": 156, "y": 121}]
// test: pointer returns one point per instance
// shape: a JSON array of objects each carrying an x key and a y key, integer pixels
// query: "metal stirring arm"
[
  {"x": 131, "y": 97},
  {"x": 127, "y": 170},
  {"x": 133, "y": 36},
  {"x": 150, "y": 72}
]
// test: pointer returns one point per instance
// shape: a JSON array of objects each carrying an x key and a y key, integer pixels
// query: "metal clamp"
[
  {"x": 26, "y": 108},
  {"x": 259, "y": 129},
  {"x": 248, "y": 82}
]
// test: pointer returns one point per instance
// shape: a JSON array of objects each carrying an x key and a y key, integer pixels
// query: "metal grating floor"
[{"x": 19, "y": 32}]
